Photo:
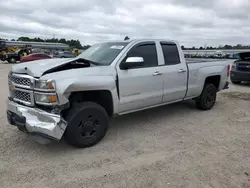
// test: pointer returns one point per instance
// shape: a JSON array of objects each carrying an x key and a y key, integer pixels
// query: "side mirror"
[{"x": 132, "y": 62}]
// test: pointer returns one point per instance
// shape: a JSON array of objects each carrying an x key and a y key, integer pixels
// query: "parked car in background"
[
  {"x": 64, "y": 54},
  {"x": 240, "y": 70},
  {"x": 34, "y": 56},
  {"x": 14, "y": 56}
]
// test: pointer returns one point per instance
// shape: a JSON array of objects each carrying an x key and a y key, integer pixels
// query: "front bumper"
[
  {"x": 35, "y": 121},
  {"x": 239, "y": 76}
]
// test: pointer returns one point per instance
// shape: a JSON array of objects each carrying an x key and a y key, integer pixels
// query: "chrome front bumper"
[{"x": 36, "y": 121}]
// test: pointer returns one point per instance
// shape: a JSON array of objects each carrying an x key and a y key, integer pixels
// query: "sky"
[{"x": 191, "y": 22}]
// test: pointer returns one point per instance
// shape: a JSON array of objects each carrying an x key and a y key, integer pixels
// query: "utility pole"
[{"x": 205, "y": 46}]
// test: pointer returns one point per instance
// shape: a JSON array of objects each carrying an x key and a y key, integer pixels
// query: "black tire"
[
  {"x": 235, "y": 82},
  {"x": 207, "y": 98},
  {"x": 87, "y": 124},
  {"x": 12, "y": 60}
]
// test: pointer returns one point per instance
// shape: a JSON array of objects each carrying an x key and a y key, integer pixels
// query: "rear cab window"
[{"x": 170, "y": 53}]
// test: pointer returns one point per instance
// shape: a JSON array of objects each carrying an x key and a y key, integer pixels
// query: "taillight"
[{"x": 228, "y": 70}]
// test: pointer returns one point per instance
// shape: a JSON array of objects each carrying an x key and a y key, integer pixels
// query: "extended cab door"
[
  {"x": 140, "y": 86},
  {"x": 174, "y": 71}
]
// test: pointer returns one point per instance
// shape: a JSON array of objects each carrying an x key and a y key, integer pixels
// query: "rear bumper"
[
  {"x": 239, "y": 76},
  {"x": 35, "y": 121}
]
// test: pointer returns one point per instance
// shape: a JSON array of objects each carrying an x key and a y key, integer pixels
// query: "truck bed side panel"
[{"x": 198, "y": 72}]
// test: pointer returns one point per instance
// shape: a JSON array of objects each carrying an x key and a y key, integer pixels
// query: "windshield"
[{"x": 104, "y": 53}]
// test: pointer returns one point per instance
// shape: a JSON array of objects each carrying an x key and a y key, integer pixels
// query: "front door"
[{"x": 141, "y": 87}]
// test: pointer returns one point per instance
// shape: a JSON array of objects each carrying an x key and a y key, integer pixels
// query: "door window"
[
  {"x": 147, "y": 52},
  {"x": 171, "y": 54}
]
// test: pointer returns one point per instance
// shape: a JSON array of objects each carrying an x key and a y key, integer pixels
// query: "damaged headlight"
[
  {"x": 45, "y": 92},
  {"x": 46, "y": 98},
  {"x": 45, "y": 85}
]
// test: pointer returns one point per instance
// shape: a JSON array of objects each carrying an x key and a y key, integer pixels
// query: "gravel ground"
[{"x": 170, "y": 146}]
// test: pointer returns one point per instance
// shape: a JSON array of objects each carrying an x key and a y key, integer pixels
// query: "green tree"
[
  {"x": 227, "y": 47},
  {"x": 24, "y": 39},
  {"x": 62, "y": 40}
]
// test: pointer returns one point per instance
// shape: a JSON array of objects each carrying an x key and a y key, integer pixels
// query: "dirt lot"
[{"x": 170, "y": 146}]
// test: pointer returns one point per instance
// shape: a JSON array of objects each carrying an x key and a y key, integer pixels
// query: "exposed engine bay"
[{"x": 76, "y": 64}]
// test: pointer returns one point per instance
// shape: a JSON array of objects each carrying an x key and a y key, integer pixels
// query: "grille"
[
  {"x": 244, "y": 67},
  {"x": 20, "y": 81},
  {"x": 21, "y": 95}
]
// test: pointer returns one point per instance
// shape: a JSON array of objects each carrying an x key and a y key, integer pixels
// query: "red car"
[{"x": 33, "y": 57}]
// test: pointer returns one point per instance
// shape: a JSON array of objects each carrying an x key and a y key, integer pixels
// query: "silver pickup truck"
[{"x": 74, "y": 98}]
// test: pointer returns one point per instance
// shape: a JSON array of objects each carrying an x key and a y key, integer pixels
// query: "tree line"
[
  {"x": 77, "y": 44},
  {"x": 72, "y": 43}
]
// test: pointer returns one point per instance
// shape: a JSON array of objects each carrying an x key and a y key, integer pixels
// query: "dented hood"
[{"x": 37, "y": 68}]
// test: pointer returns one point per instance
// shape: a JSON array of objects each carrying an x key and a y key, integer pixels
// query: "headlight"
[
  {"x": 46, "y": 98},
  {"x": 45, "y": 85}
]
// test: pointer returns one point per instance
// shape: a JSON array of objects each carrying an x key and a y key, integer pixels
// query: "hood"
[
  {"x": 78, "y": 74},
  {"x": 37, "y": 68}
]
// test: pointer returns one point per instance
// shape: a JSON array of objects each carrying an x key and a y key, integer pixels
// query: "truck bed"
[{"x": 192, "y": 60}]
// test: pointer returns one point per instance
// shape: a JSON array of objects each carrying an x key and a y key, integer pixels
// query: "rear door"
[
  {"x": 141, "y": 87},
  {"x": 174, "y": 73}
]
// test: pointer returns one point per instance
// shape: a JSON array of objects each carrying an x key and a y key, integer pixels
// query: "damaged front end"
[
  {"x": 41, "y": 125},
  {"x": 35, "y": 107}
]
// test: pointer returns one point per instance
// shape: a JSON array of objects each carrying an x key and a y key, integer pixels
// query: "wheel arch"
[{"x": 101, "y": 97}]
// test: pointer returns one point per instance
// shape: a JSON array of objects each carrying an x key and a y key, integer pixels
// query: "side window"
[
  {"x": 171, "y": 54},
  {"x": 147, "y": 52}
]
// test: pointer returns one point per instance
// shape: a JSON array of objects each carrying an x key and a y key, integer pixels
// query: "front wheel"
[
  {"x": 207, "y": 98},
  {"x": 87, "y": 124}
]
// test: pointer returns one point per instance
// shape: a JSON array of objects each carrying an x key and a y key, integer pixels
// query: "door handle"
[
  {"x": 181, "y": 71},
  {"x": 157, "y": 73}
]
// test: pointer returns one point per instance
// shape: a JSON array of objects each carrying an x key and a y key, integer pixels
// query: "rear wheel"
[
  {"x": 87, "y": 124},
  {"x": 207, "y": 98}
]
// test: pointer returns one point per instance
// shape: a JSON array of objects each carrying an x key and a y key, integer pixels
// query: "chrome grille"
[
  {"x": 21, "y": 96},
  {"x": 20, "y": 81},
  {"x": 21, "y": 88},
  {"x": 244, "y": 67}
]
